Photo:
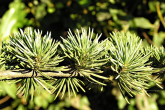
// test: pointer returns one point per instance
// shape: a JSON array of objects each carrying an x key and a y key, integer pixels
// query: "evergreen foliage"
[
  {"x": 35, "y": 52},
  {"x": 82, "y": 56},
  {"x": 85, "y": 54},
  {"x": 131, "y": 63}
]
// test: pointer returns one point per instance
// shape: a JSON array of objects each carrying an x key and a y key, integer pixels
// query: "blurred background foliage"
[{"x": 146, "y": 18}]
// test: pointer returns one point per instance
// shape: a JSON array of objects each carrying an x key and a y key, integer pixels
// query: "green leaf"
[
  {"x": 121, "y": 102},
  {"x": 40, "y": 11},
  {"x": 41, "y": 102},
  {"x": 159, "y": 38},
  {"x": 142, "y": 22},
  {"x": 10, "y": 88},
  {"x": 101, "y": 16},
  {"x": 84, "y": 101},
  {"x": 59, "y": 5},
  {"x": 21, "y": 107},
  {"x": 13, "y": 19},
  {"x": 84, "y": 2},
  {"x": 152, "y": 5}
]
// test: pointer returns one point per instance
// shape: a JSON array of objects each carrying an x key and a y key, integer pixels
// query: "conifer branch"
[{"x": 31, "y": 59}]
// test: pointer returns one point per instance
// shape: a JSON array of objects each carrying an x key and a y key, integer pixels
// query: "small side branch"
[
  {"x": 147, "y": 38},
  {"x": 5, "y": 99},
  {"x": 10, "y": 74},
  {"x": 160, "y": 14}
]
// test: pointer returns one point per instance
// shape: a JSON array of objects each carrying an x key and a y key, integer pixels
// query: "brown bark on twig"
[
  {"x": 160, "y": 14},
  {"x": 147, "y": 38},
  {"x": 3, "y": 100},
  {"x": 10, "y": 74}
]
